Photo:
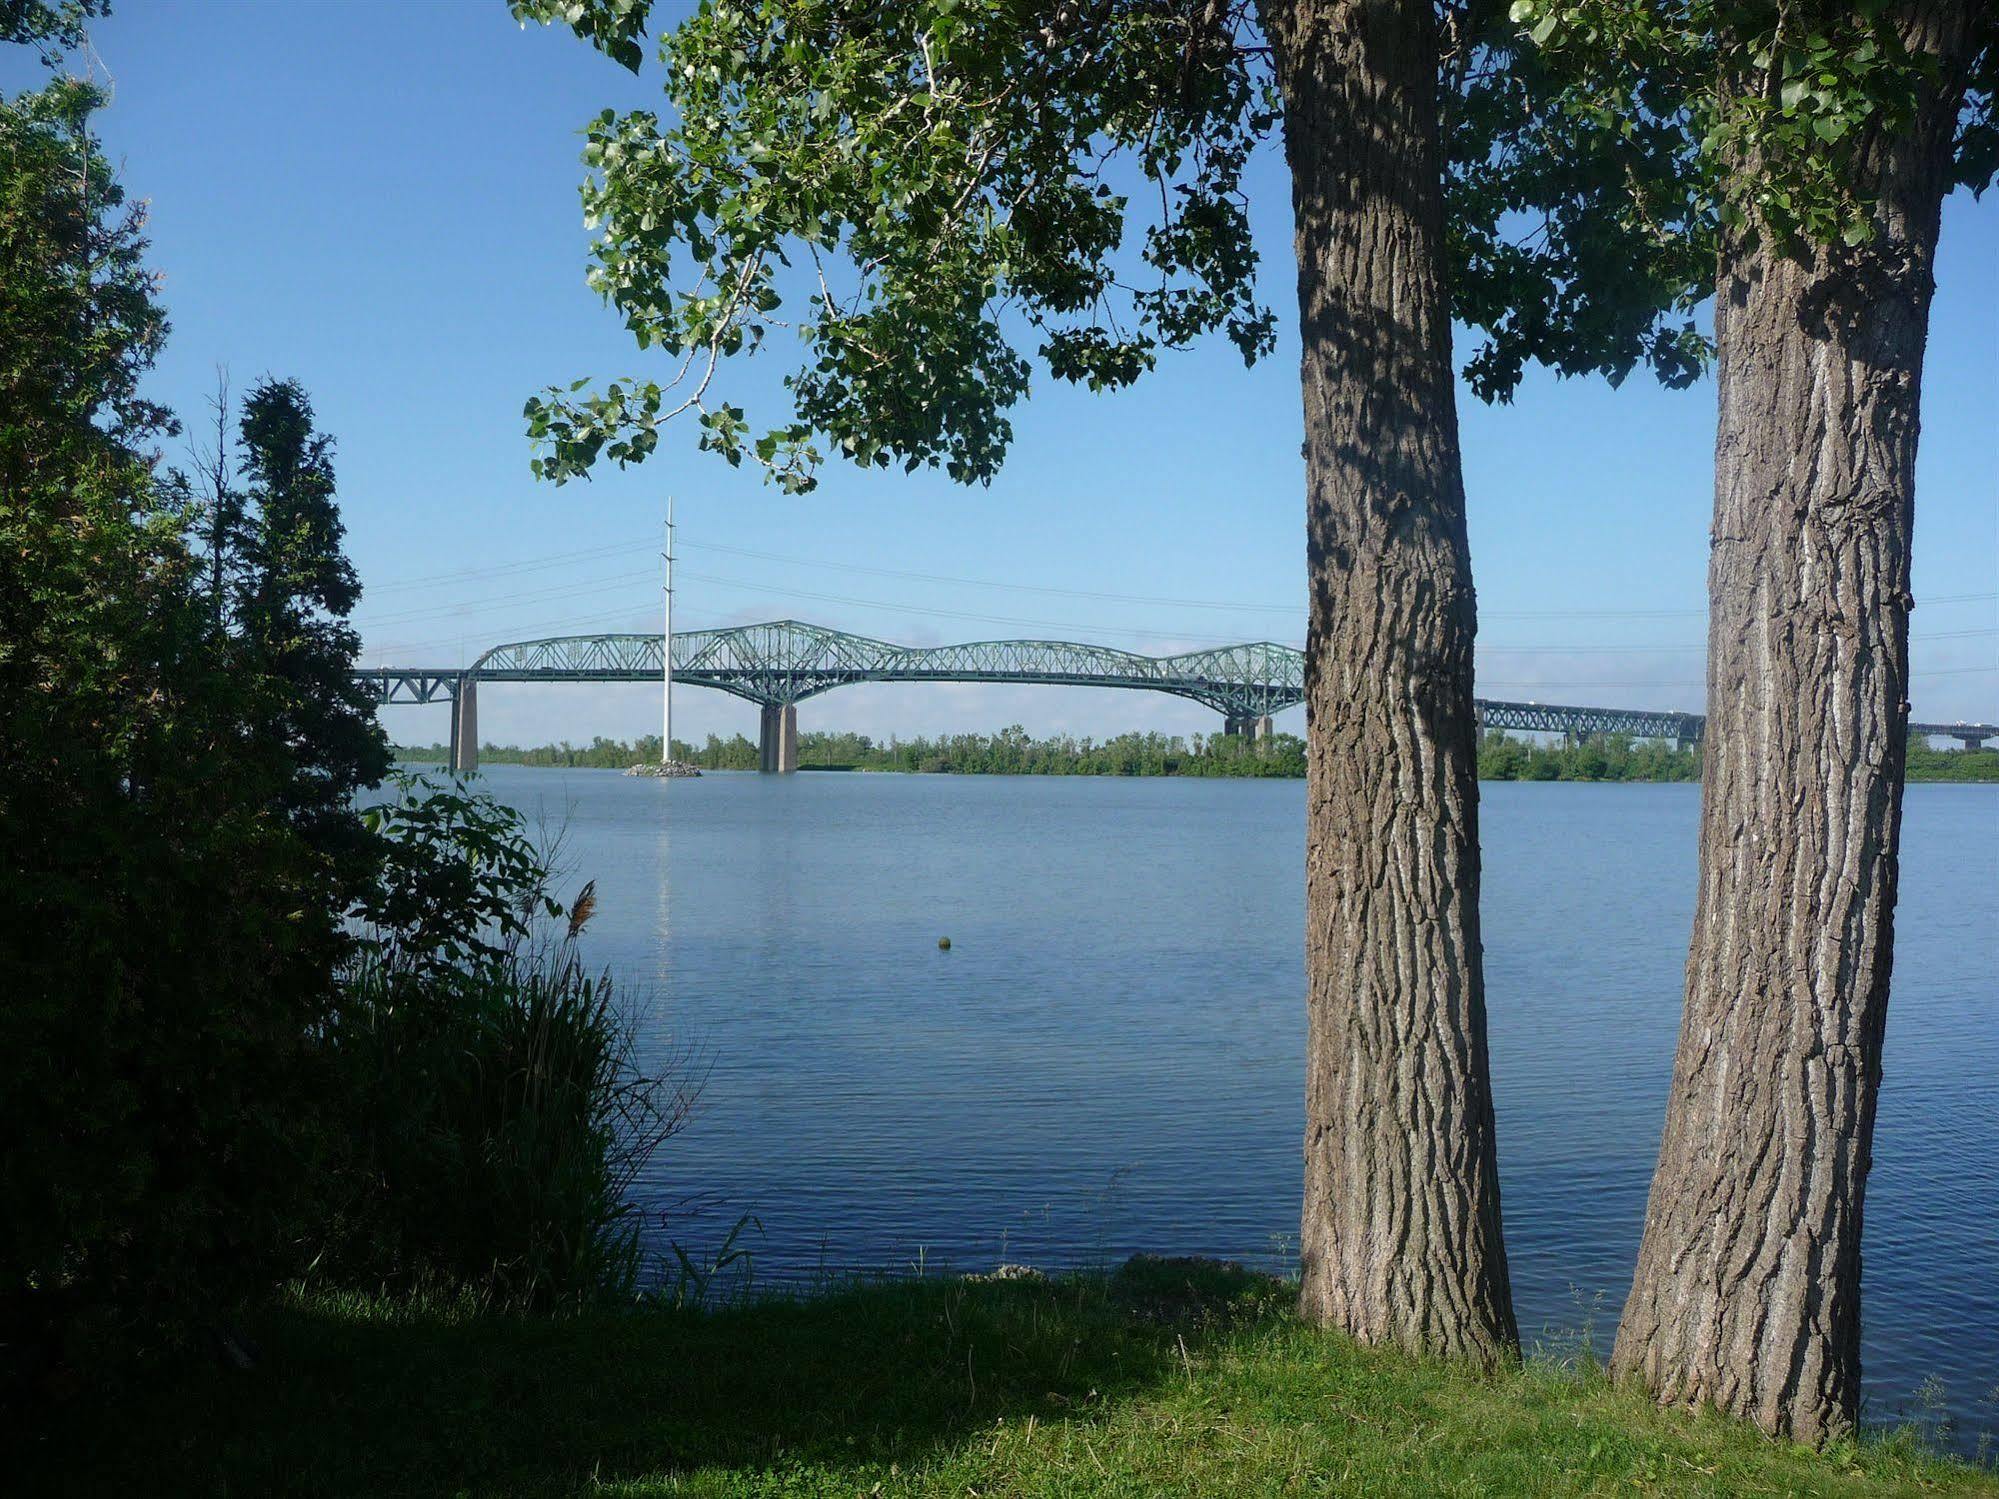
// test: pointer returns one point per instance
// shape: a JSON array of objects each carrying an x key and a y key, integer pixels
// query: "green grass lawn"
[{"x": 1163, "y": 1379}]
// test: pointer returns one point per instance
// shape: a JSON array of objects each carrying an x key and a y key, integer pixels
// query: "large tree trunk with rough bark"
[
  {"x": 1400, "y": 1241},
  {"x": 1747, "y": 1293}
]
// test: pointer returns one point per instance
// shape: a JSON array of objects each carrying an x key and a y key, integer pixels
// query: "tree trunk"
[
  {"x": 1400, "y": 1241},
  {"x": 1747, "y": 1292}
]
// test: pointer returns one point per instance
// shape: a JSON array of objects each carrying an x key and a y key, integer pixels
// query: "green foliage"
[
  {"x": 181, "y": 852},
  {"x": 51, "y": 29},
  {"x": 492, "y": 1115},
  {"x": 1613, "y": 757},
  {"x": 1011, "y": 751},
  {"x": 1167, "y": 1378},
  {"x": 912, "y": 187},
  {"x": 1926, "y": 764},
  {"x": 241, "y": 1030},
  {"x": 292, "y": 640},
  {"x": 1976, "y": 149},
  {"x": 735, "y": 753},
  {"x": 614, "y": 27},
  {"x": 1766, "y": 110},
  {"x": 148, "y": 1049},
  {"x": 925, "y": 194},
  {"x": 1576, "y": 235},
  {"x": 459, "y": 882},
  {"x": 77, "y": 302},
  {"x": 495, "y": 1121}
]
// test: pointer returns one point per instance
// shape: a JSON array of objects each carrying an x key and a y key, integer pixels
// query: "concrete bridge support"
[
  {"x": 777, "y": 739},
  {"x": 465, "y": 727},
  {"x": 1247, "y": 726}
]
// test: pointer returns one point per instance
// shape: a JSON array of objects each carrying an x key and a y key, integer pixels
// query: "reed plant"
[
  {"x": 500, "y": 1121},
  {"x": 496, "y": 1111}
]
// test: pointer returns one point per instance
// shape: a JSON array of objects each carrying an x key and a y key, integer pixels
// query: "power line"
[
  {"x": 501, "y": 569},
  {"x": 1948, "y": 598},
  {"x": 1640, "y": 650},
  {"x": 638, "y": 615},
  {"x": 995, "y": 619},
  {"x": 604, "y": 585},
  {"x": 1484, "y": 683},
  {"x": 1292, "y": 609},
  {"x": 1049, "y": 590},
  {"x": 583, "y": 588}
]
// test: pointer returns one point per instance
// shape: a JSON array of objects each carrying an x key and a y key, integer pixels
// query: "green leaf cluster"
[
  {"x": 929, "y": 198},
  {"x": 1773, "y": 108},
  {"x": 493, "y": 1113},
  {"x": 208, "y": 955},
  {"x": 933, "y": 200},
  {"x": 1576, "y": 235},
  {"x": 51, "y": 27}
]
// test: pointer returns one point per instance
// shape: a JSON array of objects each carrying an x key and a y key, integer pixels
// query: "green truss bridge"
[{"x": 780, "y": 664}]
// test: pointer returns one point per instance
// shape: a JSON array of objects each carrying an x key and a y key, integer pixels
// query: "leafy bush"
[
  {"x": 498, "y": 1120},
  {"x": 208, "y": 1074},
  {"x": 171, "y": 915},
  {"x": 495, "y": 1113}
]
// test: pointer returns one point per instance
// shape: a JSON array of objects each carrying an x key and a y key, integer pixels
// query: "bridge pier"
[
  {"x": 465, "y": 727},
  {"x": 1250, "y": 727},
  {"x": 777, "y": 739}
]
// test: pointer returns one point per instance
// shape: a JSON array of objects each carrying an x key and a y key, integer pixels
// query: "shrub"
[{"x": 496, "y": 1114}]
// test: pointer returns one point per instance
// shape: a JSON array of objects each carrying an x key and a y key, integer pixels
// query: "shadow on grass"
[
  {"x": 356, "y": 1397},
  {"x": 1168, "y": 1377}
]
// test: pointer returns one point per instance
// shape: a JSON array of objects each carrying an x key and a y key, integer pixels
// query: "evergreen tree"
[
  {"x": 178, "y": 854},
  {"x": 297, "y": 592}
]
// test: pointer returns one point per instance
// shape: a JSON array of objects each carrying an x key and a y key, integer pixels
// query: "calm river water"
[{"x": 1109, "y": 1057}]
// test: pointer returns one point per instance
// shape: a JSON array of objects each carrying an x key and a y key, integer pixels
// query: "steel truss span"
[{"x": 785, "y": 662}]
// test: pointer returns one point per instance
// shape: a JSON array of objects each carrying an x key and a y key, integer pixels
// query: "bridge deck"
[{"x": 784, "y": 662}]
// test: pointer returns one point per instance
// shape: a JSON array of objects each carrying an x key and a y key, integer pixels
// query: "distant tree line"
[
  {"x": 1927, "y": 764},
  {"x": 1012, "y": 751},
  {"x": 1596, "y": 757}
]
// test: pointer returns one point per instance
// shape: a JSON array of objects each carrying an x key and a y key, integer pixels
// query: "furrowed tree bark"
[
  {"x": 1747, "y": 1291},
  {"x": 1400, "y": 1241}
]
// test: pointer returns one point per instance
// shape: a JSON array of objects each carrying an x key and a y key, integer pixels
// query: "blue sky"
[{"x": 381, "y": 201}]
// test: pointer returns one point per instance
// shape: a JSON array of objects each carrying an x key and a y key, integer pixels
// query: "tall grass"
[{"x": 499, "y": 1121}]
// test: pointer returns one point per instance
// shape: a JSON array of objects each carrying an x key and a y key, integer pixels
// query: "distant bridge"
[{"x": 780, "y": 664}]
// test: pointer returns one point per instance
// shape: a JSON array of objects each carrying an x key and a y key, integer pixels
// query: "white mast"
[{"x": 666, "y": 650}]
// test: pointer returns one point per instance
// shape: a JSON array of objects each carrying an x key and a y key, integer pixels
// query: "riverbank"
[
  {"x": 1163, "y": 1379},
  {"x": 1013, "y": 752}
]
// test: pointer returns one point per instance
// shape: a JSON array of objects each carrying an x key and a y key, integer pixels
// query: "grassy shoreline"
[{"x": 1166, "y": 1378}]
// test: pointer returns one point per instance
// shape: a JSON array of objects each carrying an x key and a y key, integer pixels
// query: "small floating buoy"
[{"x": 944, "y": 944}]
